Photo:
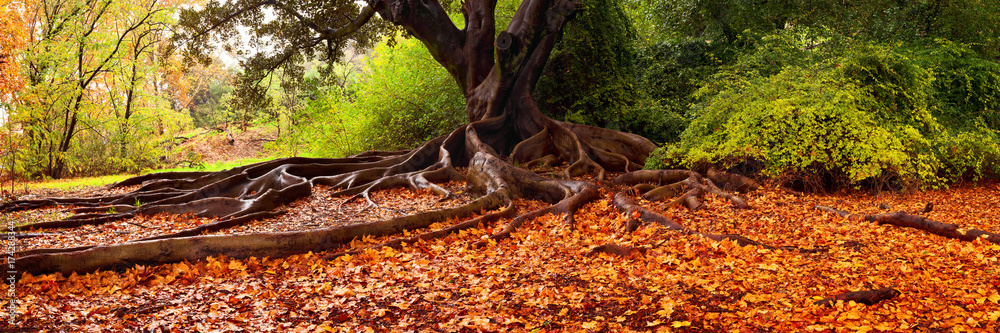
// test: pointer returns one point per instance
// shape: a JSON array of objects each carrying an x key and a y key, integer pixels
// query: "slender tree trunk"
[
  {"x": 68, "y": 132},
  {"x": 129, "y": 97}
]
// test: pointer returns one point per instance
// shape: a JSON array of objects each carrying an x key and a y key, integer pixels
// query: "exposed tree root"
[
  {"x": 77, "y": 221},
  {"x": 23, "y": 235},
  {"x": 158, "y": 251},
  {"x": 642, "y": 214},
  {"x": 903, "y": 219},
  {"x": 566, "y": 206},
  {"x": 866, "y": 297},
  {"x": 658, "y": 185},
  {"x": 396, "y": 243}
]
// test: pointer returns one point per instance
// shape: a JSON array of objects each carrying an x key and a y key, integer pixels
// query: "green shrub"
[
  {"x": 898, "y": 89},
  {"x": 853, "y": 116},
  {"x": 800, "y": 120},
  {"x": 966, "y": 87},
  {"x": 406, "y": 98},
  {"x": 970, "y": 154}
]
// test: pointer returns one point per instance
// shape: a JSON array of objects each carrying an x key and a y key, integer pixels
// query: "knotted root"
[{"x": 658, "y": 185}]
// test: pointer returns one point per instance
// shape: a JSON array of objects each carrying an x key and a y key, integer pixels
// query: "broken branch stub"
[{"x": 866, "y": 297}]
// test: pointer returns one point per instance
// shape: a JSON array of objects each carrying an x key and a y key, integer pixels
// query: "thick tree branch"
[
  {"x": 225, "y": 20},
  {"x": 327, "y": 32}
]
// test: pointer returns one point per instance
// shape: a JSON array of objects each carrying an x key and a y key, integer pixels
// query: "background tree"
[
  {"x": 13, "y": 29},
  {"x": 197, "y": 89},
  {"x": 77, "y": 46}
]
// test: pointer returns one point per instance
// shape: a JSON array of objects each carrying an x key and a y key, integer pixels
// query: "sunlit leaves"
[
  {"x": 88, "y": 95},
  {"x": 13, "y": 32}
]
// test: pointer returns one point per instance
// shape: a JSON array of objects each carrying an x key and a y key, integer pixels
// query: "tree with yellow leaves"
[{"x": 12, "y": 34}]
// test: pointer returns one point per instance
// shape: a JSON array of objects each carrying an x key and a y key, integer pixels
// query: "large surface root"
[
  {"x": 246, "y": 193},
  {"x": 396, "y": 243},
  {"x": 639, "y": 214},
  {"x": 158, "y": 251}
]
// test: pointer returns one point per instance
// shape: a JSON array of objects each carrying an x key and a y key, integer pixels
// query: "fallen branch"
[
  {"x": 640, "y": 214},
  {"x": 903, "y": 219}
]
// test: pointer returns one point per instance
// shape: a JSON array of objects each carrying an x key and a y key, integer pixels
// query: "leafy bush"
[
  {"x": 407, "y": 98},
  {"x": 800, "y": 120},
  {"x": 971, "y": 22},
  {"x": 851, "y": 116},
  {"x": 970, "y": 154},
  {"x": 322, "y": 128},
  {"x": 966, "y": 87}
]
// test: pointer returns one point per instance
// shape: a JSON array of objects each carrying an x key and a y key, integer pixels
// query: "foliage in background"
[
  {"x": 964, "y": 21},
  {"x": 402, "y": 98},
  {"x": 407, "y": 98},
  {"x": 197, "y": 89},
  {"x": 13, "y": 30},
  {"x": 90, "y": 104},
  {"x": 590, "y": 78},
  {"x": 966, "y": 85}
]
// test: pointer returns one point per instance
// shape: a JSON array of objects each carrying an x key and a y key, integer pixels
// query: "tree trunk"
[{"x": 505, "y": 129}]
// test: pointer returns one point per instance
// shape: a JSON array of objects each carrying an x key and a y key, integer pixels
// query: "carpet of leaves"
[{"x": 542, "y": 280}]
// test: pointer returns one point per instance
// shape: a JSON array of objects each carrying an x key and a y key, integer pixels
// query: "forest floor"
[{"x": 542, "y": 278}]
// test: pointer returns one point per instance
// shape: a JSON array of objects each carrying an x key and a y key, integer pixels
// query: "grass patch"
[
  {"x": 73, "y": 183},
  {"x": 216, "y": 166},
  {"x": 84, "y": 182}
]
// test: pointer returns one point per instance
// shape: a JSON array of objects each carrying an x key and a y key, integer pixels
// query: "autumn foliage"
[
  {"x": 12, "y": 38},
  {"x": 542, "y": 278}
]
